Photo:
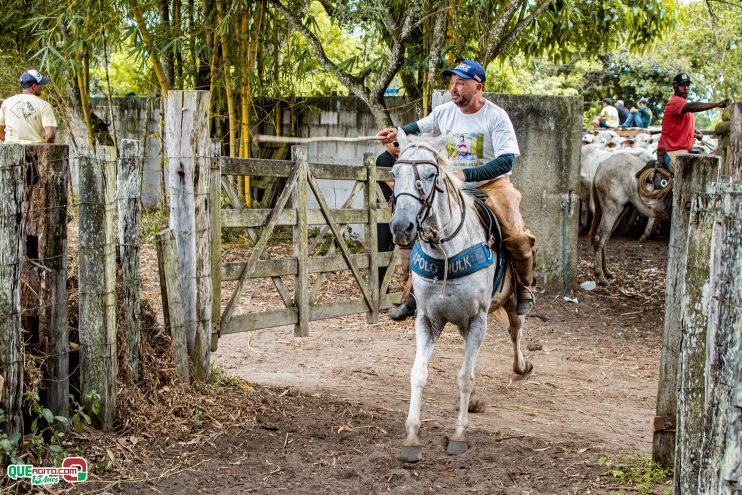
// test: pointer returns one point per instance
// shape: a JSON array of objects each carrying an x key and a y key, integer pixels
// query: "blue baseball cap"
[
  {"x": 32, "y": 77},
  {"x": 468, "y": 69}
]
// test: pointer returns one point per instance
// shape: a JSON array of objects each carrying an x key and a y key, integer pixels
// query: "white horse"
[{"x": 430, "y": 207}]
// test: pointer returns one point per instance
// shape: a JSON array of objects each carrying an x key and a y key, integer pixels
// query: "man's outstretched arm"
[{"x": 697, "y": 106}]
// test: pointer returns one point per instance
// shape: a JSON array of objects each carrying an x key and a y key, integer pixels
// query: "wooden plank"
[
  {"x": 202, "y": 165},
  {"x": 340, "y": 241},
  {"x": 692, "y": 174},
  {"x": 259, "y": 247},
  {"x": 372, "y": 246},
  {"x": 172, "y": 304},
  {"x": 282, "y": 168},
  {"x": 337, "y": 309},
  {"x": 256, "y": 321},
  {"x": 694, "y": 318},
  {"x": 129, "y": 184},
  {"x": 301, "y": 242},
  {"x": 720, "y": 451},
  {"x": 47, "y": 211},
  {"x": 253, "y": 235},
  {"x": 185, "y": 143},
  {"x": 11, "y": 253},
  {"x": 357, "y": 188},
  {"x": 97, "y": 279},
  {"x": 394, "y": 255},
  {"x": 253, "y": 217},
  {"x": 319, "y": 282},
  {"x": 216, "y": 242},
  {"x": 287, "y": 267}
]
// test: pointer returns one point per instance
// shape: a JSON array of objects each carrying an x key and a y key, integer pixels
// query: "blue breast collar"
[{"x": 465, "y": 263}]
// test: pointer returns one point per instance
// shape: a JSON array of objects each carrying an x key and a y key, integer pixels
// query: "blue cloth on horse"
[{"x": 464, "y": 263}]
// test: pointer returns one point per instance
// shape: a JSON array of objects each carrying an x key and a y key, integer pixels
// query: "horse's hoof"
[
  {"x": 477, "y": 406},
  {"x": 610, "y": 275},
  {"x": 604, "y": 282},
  {"x": 527, "y": 369},
  {"x": 457, "y": 447},
  {"x": 411, "y": 454}
]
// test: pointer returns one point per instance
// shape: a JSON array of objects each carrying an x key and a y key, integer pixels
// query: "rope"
[
  {"x": 648, "y": 177},
  {"x": 265, "y": 138}
]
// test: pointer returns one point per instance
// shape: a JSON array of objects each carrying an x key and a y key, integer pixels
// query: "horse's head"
[{"x": 418, "y": 178}]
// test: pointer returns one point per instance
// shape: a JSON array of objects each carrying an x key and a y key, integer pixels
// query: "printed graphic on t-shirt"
[
  {"x": 465, "y": 147},
  {"x": 23, "y": 109}
]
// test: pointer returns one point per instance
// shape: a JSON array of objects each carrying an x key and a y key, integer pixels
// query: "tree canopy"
[{"x": 248, "y": 50}]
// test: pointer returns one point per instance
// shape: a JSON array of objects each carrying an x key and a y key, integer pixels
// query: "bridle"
[{"x": 427, "y": 199}]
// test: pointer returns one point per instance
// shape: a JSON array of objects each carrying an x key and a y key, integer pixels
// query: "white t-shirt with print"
[
  {"x": 472, "y": 139},
  {"x": 24, "y": 117}
]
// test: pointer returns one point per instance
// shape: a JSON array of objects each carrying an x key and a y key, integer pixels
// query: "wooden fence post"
[
  {"x": 692, "y": 357},
  {"x": 45, "y": 221},
  {"x": 721, "y": 451},
  {"x": 692, "y": 174},
  {"x": 372, "y": 245},
  {"x": 172, "y": 306},
  {"x": 129, "y": 184},
  {"x": 216, "y": 242},
  {"x": 734, "y": 151},
  {"x": 97, "y": 275},
  {"x": 187, "y": 145},
  {"x": 301, "y": 242},
  {"x": 11, "y": 254}
]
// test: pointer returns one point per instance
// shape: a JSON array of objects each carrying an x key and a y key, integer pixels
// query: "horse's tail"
[
  {"x": 501, "y": 315},
  {"x": 597, "y": 214}
]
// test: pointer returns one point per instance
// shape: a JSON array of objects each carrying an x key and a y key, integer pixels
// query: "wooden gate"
[{"x": 291, "y": 209}]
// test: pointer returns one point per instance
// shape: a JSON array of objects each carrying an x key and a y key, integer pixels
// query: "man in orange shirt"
[{"x": 678, "y": 123}]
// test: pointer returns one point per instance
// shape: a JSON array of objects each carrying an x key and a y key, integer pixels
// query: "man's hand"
[
  {"x": 698, "y": 134},
  {"x": 724, "y": 103},
  {"x": 388, "y": 135}
]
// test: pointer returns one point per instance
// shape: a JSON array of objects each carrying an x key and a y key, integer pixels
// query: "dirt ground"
[{"x": 325, "y": 414}]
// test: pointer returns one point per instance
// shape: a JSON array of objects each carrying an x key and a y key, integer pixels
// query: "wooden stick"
[{"x": 265, "y": 138}]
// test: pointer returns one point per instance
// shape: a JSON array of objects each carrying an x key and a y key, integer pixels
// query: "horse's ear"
[{"x": 401, "y": 137}]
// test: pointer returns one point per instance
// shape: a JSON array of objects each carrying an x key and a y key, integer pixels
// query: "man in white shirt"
[
  {"x": 482, "y": 142},
  {"x": 608, "y": 117},
  {"x": 25, "y": 118}
]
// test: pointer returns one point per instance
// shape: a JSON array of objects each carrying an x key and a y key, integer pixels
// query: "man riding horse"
[{"x": 487, "y": 133}]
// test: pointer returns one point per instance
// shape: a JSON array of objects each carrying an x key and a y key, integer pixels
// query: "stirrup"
[{"x": 524, "y": 304}]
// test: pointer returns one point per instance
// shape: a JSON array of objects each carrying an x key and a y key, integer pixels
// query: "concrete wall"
[
  {"x": 134, "y": 120},
  {"x": 548, "y": 129}
]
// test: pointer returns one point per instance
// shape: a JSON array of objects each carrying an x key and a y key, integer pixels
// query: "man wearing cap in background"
[
  {"x": 640, "y": 117},
  {"x": 488, "y": 134},
  {"x": 25, "y": 118},
  {"x": 608, "y": 117},
  {"x": 678, "y": 123}
]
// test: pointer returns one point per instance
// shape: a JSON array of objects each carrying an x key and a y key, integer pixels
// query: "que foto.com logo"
[{"x": 73, "y": 470}]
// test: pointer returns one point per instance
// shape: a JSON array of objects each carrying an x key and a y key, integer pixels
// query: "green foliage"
[
  {"x": 355, "y": 246},
  {"x": 639, "y": 474},
  {"x": 153, "y": 221},
  {"x": 46, "y": 436}
]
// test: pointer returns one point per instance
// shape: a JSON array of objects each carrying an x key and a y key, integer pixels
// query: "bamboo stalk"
[
  {"x": 156, "y": 65},
  {"x": 227, "y": 84}
]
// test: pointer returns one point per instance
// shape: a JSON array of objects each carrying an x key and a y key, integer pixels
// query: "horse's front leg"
[
  {"x": 473, "y": 338},
  {"x": 426, "y": 334}
]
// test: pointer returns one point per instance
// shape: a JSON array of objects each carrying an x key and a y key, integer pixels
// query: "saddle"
[{"x": 492, "y": 230}]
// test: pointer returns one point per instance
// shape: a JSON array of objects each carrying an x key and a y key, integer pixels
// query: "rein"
[{"x": 427, "y": 200}]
